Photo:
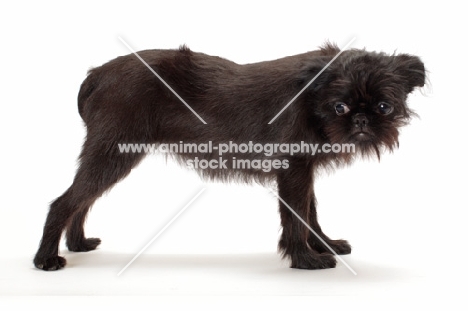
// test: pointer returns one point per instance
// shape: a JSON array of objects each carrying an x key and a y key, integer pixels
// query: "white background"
[{"x": 405, "y": 216}]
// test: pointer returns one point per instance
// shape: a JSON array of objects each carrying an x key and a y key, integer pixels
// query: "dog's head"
[{"x": 361, "y": 98}]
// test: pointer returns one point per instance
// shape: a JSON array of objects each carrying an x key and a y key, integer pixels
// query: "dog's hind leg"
[
  {"x": 76, "y": 241},
  {"x": 101, "y": 166}
]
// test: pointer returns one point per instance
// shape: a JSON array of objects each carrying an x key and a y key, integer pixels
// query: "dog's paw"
[
  {"x": 50, "y": 263},
  {"x": 84, "y": 245},
  {"x": 311, "y": 261},
  {"x": 341, "y": 247}
]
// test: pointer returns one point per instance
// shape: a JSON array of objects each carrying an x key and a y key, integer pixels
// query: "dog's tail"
[{"x": 86, "y": 90}]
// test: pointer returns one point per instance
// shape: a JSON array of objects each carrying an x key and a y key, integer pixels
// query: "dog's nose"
[{"x": 360, "y": 120}]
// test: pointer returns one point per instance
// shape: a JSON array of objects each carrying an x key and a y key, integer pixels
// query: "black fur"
[{"x": 123, "y": 102}]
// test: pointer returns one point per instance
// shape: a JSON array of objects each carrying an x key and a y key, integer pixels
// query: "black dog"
[{"x": 359, "y": 99}]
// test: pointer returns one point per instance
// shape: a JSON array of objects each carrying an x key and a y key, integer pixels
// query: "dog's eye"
[
  {"x": 341, "y": 108},
  {"x": 384, "y": 108}
]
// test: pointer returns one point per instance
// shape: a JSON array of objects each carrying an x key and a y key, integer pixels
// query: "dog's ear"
[
  {"x": 411, "y": 69},
  {"x": 314, "y": 71}
]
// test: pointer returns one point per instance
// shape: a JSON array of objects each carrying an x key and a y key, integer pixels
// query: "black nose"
[{"x": 360, "y": 120}]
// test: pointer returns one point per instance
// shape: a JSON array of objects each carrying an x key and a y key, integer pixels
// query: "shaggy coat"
[{"x": 359, "y": 99}]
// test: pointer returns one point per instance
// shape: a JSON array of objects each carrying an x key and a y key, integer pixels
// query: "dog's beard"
[
  {"x": 369, "y": 141},
  {"x": 361, "y": 100}
]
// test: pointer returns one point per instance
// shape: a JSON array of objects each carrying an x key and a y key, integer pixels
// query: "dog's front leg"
[{"x": 295, "y": 188}]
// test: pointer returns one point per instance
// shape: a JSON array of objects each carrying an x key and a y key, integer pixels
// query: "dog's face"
[{"x": 361, "y": 99}]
